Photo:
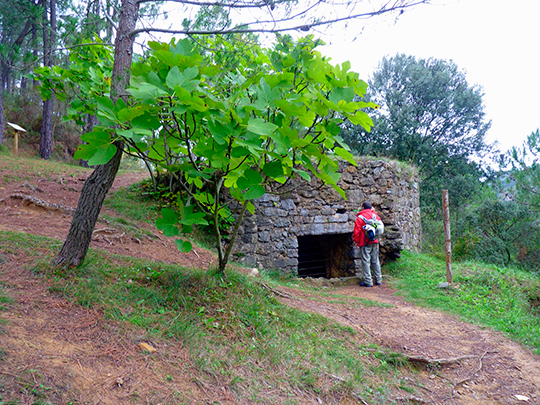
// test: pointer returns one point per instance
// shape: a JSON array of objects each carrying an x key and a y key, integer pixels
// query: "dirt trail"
[
  {"x": 492, "y": 369},
  {"x": 485, "y": 368}
]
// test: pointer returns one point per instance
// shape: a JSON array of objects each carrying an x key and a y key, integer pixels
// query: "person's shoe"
[
  {"x": 378, "y": 283},
  {"x": 362, "y": 284}
]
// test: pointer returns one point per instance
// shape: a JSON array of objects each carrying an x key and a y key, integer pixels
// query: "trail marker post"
[
  {"x": 447, "y": 240},
  {"x": 17, "y": 129}
]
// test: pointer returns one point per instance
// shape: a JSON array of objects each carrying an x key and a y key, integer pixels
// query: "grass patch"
[
  {"x": 21, "y": 168},
  {"x": 504, "y": 299},
  {"x": 236, "y": 332},
  {"x": 232, "y": 327},
  {"x": 131, "y": 205},
  {"x": 4, "y": 298}
]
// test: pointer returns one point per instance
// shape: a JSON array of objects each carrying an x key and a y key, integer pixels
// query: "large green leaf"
[
  {"x": 254, "y": 192},
  {"x": 261, "y": 127},
  {"x": 147, "y": 92},
  {"x": 129, "y": 113},
  {"x": 362, "y": 119},
  {"x": 183, "y": 79},
  {"x": 167, "y": 222},
  {"x": 273, "y": 169},
  {"x": 341, "y": 93},
  {"x": 102, "y": 155},
  {"x": 98, "y": 148},
  {"x": 183, "y": 245}
]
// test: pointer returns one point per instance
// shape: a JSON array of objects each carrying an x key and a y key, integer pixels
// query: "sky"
[{"x": 495, "y": 42}]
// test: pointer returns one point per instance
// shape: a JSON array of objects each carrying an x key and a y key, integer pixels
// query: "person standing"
[{"x": 369, "y": 249}]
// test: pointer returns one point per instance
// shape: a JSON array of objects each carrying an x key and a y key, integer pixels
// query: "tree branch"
[{"x": 399, "y": 5}]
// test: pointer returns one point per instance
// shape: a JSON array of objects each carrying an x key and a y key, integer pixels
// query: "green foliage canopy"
[
  {"x": 429, "y": 116},
  {"x": 238, "y": 124},
  {"x": 524, "y": 171}
]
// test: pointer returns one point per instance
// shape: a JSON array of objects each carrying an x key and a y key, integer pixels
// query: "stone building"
[{"x": 306, "y": 228}]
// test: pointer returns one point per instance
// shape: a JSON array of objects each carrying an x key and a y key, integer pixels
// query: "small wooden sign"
[{"x": 17, "y": 129}]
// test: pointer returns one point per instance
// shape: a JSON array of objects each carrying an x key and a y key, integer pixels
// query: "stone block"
[
  {"x": 263, "y": 221},
  {"x": 274, "y": 212},
  {"x": 283, "y": 263},
  {"x": 288, "y": 204},
  {"x": 268, "y": 197},
  {"x": 355, "y": 196},
  {"x": 339, "y": 218},
  {"x": 291, "y": 243},
  {"x": 282, "y": 222}
]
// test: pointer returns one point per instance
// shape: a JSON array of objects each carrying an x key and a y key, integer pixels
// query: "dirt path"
[
  {"x": 485, "y": 368},
  {"x": 492, "y": 369}
]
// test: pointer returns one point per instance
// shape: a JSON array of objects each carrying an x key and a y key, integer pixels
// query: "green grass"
[
  {"x": 130, "y": 204},
  {"x": 134, "y": 204},
  {"x": 235, "y": 330},
  {"x": 501, "y": 298},
  {"x": 4, "y": 299}
]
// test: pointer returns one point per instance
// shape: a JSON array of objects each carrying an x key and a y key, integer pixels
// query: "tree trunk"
[
  {"x": 84, "y": 220},
  {"x": 223, "y": 260},
  {"x": 45, "y": 136},
  {"x": 2, "y": 117},
  {"x": 49, "y": 43},
  {"x": 100, "y": 181}
]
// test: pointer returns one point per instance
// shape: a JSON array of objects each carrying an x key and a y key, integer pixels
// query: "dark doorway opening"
[{"x": 326, "y": 256}]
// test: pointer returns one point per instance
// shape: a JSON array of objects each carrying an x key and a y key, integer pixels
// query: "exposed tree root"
[
  {"x": 456, "y": 384},
  {"x": 43, "y": 204}
]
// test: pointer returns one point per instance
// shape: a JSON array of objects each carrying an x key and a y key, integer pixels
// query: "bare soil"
[{"x": 77, "y": 353}]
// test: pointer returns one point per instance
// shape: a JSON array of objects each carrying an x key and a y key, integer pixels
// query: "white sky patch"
[{"x": 494, "y": 41}]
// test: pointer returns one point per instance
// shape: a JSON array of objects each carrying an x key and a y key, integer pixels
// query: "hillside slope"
[{"x": 459, "y": 363}]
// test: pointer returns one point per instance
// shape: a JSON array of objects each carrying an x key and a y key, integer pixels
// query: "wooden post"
[
  {"x": 447, "y": 240},
  {"x": 17, "y": 129}
]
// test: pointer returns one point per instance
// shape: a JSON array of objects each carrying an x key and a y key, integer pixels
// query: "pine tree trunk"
[
  {"x": 100, "y": 181},
  {"x": 84, "y": 220},
  {"x": 45, "y": 136},
  {"x": 49, "y": 43},
  {"x": 2, "y": 117}
]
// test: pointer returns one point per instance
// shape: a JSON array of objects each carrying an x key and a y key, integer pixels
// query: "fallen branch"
[
  {"x": 423, "y": 359},
  {"x": 277, "y": 292},
  {"x": 43, "y": 204},
  {"x": 358, "y": 397},
  {"x": 443, "y": 361},
  {"x": 411, "y": 399}
]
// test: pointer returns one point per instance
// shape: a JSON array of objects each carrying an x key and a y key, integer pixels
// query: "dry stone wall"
[{"x": 307, "y": 224}]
